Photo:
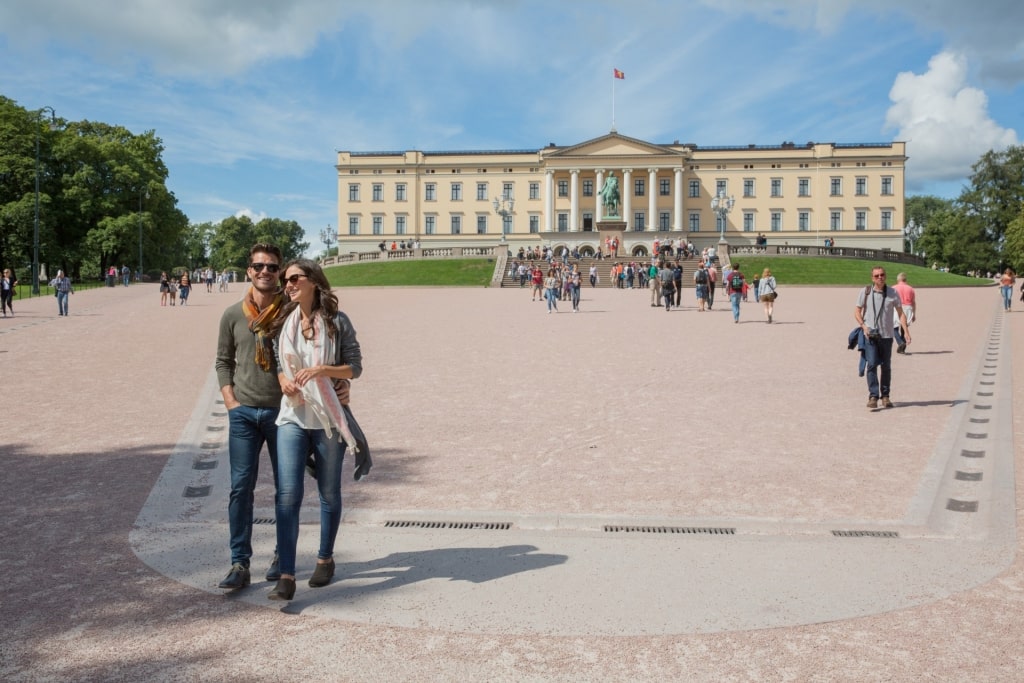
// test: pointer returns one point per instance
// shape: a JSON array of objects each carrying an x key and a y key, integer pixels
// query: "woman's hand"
[
  {"x": 306, "y": 374},
  {"x": 288, "y": 387}
]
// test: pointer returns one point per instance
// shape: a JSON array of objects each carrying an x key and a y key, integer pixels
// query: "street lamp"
[
  {"x": 143, "y": 192},
  {"x": 328, "y": 237},
  {"x": 722, "y": 205},
  {"x": 35, "y": 232},
  {"x": 503, "y": 206},
  {"x": 912, "y": 232}
]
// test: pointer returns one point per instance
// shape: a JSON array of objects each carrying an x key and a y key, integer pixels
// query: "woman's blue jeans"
[
  {"x": 62, "y": 303},
  {"x": 1007, "y": 292},
  {"x": 552, "y": 296},
  {"x": 294, "y": 443}
]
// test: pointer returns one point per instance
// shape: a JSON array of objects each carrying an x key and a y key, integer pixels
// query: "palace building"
[{"x": 799, "y": 195}]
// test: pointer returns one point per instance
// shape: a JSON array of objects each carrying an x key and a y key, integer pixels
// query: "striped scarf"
[
  {"x": 259, "y": 324},
  {"x": 318, "y": 393}
]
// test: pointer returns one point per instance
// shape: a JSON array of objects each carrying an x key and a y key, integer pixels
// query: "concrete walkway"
[{"x": 619, "y": 493}]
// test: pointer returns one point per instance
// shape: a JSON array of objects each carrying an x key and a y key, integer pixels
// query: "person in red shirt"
[
  {"x": 908, "y": 298},
  {"x": 537, "y": 282}
]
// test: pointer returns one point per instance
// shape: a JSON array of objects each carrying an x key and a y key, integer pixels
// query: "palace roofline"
[{"x": 690, "y": 145}]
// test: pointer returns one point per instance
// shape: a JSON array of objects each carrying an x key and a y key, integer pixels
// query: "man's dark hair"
[{"x": 266, "y": 249}]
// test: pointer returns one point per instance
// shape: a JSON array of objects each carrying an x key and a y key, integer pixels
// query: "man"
[
  {"x": 734, "y": 283},
  {"x": 537, "y": 282},
  {"x": 654, "y": 282},
  {"x": 677, "y": 279},
  {"x": 247, "y": 375},
  {"x": 668, "y": 289},
  {"x": 126, "y": 274},
  {"x": 874, "y": 313},
  {"x": 908, "y": 299}
]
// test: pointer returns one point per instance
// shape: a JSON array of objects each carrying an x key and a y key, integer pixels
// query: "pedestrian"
[
  {"x": 62, "y": 288},
  {"x": 877, "y": 306},
  {"x": 551, "y": 289},
  {"x": 184, "y": 288},
  {"x": 654, "y": 282},
  {"x": 165, "y": 288},
  {"x": 7, "y": 284},
  {"x": 247, "y": 374},
  {"x": 735, "y": 285},
  {"x": 908, "y": 299},
  {"x": 712, "y": 279},
  {"x": 1006, "y": 281},
  {"x": 537, "y": 283},
  {"x": 593, "y": 275},
  {"x": 574, "y": 293},
  {"x": 700, "y": 281},
  {"x": 126, "y": 274},
  {"x": 172, "y": 290},
  {"x": 668, "y": 288},
  {"x": 315, "y": 345},
  {"x": 766, "y": 294},
  {"x": 677, "y": 281}
]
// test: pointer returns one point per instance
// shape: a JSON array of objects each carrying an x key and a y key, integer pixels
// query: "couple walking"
[{"x": 285, "y": 358}]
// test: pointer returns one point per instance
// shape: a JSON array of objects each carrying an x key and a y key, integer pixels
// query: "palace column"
[
  {"x": 652, "y": 199},
  {"x": 627, "y": 195},
  {"x": 677, "y": 218},
  {"x": 549, "y": 198},
  {"x": 574, "y": 200},
  {"x": 599, "y": 208}
]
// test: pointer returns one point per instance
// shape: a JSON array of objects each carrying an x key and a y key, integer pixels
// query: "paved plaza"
[{"x": 618, "y": 494}]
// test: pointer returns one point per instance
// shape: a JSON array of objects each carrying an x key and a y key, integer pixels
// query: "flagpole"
[{"x": 613, "y": 101}]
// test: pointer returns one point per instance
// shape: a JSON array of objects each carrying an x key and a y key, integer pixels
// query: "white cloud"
[{"x": 945, "y": 122}]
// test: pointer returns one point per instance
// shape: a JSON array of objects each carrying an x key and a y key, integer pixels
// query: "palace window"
[
  {"x": 639, "y": 187},
  {"x": 695, "y": 221},
  {"x": 665, "y": 187},
  {"x": 506, "y": 225},
  {"x": 638, "y": 221},
  {"x": 588, "y": 188},
  {"x": 506, "y": 191},
  {"x": 860, "y": 220},
  {"x": 399, "y": 225},
  {"x": 804, "y": 187},
  {"x": 563, "y": 222},
  {"x": 456, "y": 225},
  {"x": 835, "y": 220},
  {"x": 456, "y": 192},
  {"x": 748, "y": 187},
  {"x": 563, "y": 188},
  {"x": 353, "y": 225},
  {"x": 886, "y": 220},
  {"x": 378, "y": 192},
  {"x": 664, "y": 220},
  {"x": 481, "y": 192},
  {"x": 353, "y": 192},
  {"x": 776, "y": 224},
  {"x": 534, "y": 190},
  {"x": 430, "y": 224},
  {"x": 721, "y": 187},
  {"x": 748, "y": 221},
  {"x": 481, "y": 225},
  {"x": 804, "y": 221},
  {"x": 836, "y": 187},
  {"x": 694, "y": 188},
  {"x": 430, "y": 192},
  {"x": 887, "y": 184},
  {"x": 776, "y": 187},
  {"x": 378, "y": 225},
  {"x": 534, "y": 224},
  {"x": 860, "y": 186},
  {"x": 400, "y": 192}
]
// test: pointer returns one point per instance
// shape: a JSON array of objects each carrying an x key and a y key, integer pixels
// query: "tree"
[
  {"x": 996, "y": 194},
  {"x": 234, "y": 236}
]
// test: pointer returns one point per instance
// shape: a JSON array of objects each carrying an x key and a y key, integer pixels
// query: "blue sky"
[{"x": 253, "y": 97}]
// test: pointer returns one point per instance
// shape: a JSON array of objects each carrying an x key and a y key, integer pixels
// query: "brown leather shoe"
[
  {"x": 886, "y": 403},
  {"x": 284, "y": 590},
  {"x": 872, "y": 402},
  {"x": 323, "y": 574}
]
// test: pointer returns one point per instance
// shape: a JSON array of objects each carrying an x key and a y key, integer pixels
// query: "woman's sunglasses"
[
  {"x": 271, "y": 267},
  {"x": 293, "y": 279}
]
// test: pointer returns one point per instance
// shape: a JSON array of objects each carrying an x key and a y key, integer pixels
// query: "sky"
[{"x": 253, "y": 98}]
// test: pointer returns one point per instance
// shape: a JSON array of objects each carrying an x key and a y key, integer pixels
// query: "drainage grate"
[
  {"x": 976, "y": 435},
  {"x": 848, "y": 533},
  {"x": 196, "y": 491},
  {"x": 485, "y": 526},
  {"x": 263, "y": 520},
  {"x": 986, "y": 383},
  {"x": 982, "y": 406},
  {"x": 968, "y": 476},
  {"x": 962, "y": 505},
  {"x": 215, "y": 428},
  {"x": 972, "y": 454},
  {"x": 979, "y": 420},
  {"x": 713, "y": 531},
  {"x": 210, "y": 445},
  {"x": 204, "y": 465},
  {"x": 985, "y": 393}
]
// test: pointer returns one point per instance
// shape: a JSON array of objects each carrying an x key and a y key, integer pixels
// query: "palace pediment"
[{"x": 612, "y": 145}]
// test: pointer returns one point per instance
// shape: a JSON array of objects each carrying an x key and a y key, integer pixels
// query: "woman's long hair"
[{"x": 325, "y": 303}]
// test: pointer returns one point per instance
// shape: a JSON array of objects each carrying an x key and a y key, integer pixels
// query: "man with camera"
[{"x": 876, "y": 308}]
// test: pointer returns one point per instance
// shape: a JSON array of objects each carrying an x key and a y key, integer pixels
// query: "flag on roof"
[{"x": 618, "y": 74}]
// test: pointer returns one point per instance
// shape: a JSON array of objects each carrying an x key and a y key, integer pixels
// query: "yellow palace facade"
[{"x": 798, "y": 195}]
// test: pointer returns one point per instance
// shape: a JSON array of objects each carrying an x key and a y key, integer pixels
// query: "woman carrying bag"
[
  {"x": 766, "y": 293},
  {"x": 316, "y": 346}
]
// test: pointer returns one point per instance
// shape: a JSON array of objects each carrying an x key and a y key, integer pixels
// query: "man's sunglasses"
[{"x": 271, "y": 267}]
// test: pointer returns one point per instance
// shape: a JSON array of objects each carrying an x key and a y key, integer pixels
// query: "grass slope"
[{"x": 474, "y": 272}]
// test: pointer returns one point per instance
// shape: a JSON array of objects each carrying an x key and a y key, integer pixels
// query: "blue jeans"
[
  {"x": 552, "y": 297},
  {"x": 734, "y": 299},
  {"x": 878, "y": 355},
  {"x": 1007, "y": 292},
  {"x": 296, "y": 443},
  {"x": 62, "y": 303},
  {"x": 575, "y": 295},
  {"x": 249, "y": 428}
]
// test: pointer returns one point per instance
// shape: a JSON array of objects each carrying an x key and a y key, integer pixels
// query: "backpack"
[
  {"x": 702, "y": 277},
  {"x": 736, "y": 281}
]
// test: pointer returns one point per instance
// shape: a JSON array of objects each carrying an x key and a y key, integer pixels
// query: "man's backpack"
[
  {"x": 702, "y": 277},
  {"x": 736, "y": 281}
]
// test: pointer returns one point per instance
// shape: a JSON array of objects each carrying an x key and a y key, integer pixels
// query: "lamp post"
[
  {"x": 912, "y": 231},
  {"x": 328, "y": 237},
  {"x": 722, "y": 205},
  {"x": 35, "y": 231},
  {"x": 143, "y": 192},
  {"x": 504, "y": 206}
]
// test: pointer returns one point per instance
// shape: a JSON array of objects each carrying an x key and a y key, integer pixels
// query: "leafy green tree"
[
  {"x": 996, "y": 193},
  {"x": 1013, "y": 246}
]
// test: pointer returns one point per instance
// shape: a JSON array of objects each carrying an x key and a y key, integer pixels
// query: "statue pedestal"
[{"x": 611, "y": 229}]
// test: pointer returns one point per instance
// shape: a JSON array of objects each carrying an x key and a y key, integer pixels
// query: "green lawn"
[
  {"x": 475, "y": 272},
  {"x": 795, "y": 270},
  {"x": 789, "y": 270}
]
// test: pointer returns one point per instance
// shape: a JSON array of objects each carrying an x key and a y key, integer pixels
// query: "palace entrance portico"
[{"x": 591, "y": 163}]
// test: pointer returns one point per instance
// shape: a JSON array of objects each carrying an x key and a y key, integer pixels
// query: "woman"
[
  {"x": 766, "y": 292},
  {"x": 315, "y": 345},
  {"x": 165, "y": 288},
  {"x": 1006, "y": 287},
  {"x": 184, "y": 288},
  {"x": 7, "y": 285},
  {"x": 574, "y": 291},
  {"x": 62, "y": 288},
  {"x": 551, "y": 289}
]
